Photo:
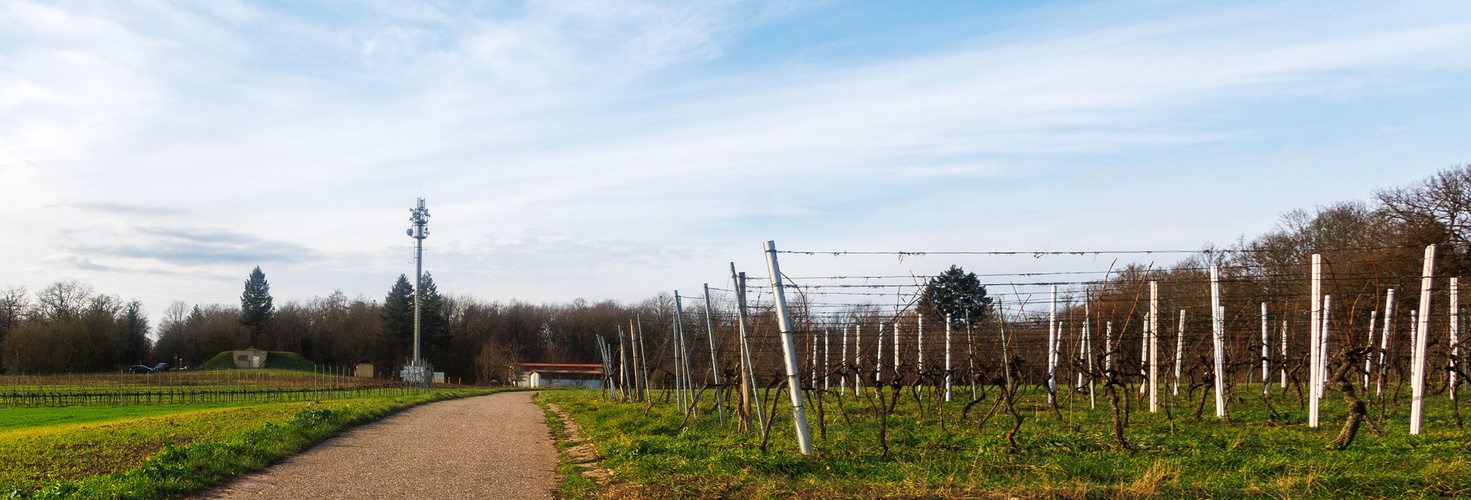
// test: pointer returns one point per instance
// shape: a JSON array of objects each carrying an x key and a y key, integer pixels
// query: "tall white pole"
[
  {"x": 1179, "y": 350},
  {"x": 1422, "y": 333},
  {"x": 947, "y": 357},
  {"x": 1088, "y": 350},
  {"x": 1384, "y": 342},
  {"x": 878, "y": 358},
  {"x": 898, "y": 377},
  {"x": 1052, "y": 346},
  {"x": 1144, "y": 353},
  {"x": 843, "y": 360},
  {"x": 1455, "y": 333},
  {"x": 827, "y": 354},
  {"x": 1315, "y": 325},
  {"x": 919, "y": 352},
  {"x": 1266, "y": 371},
  {"x": 1323, "y": 352},
  {"x": 1368, "y": 359},
  {"x": 1153, "y": 346},
  {"x": 1282, "y": 356},
  {"x": 1218, "y": 331},
  {"x": 1108, "y": 345},
  {"x": 789, "y": 351},
  {"x": 857, "y": 358}
]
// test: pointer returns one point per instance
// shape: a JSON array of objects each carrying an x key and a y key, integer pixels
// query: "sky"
[{"x": 160, "y": 150}]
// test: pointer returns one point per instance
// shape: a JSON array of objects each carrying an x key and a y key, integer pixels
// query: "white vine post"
[
  {"x": 857, "y": 358},
  {"x": 1144, "y": 353},
  {"x": 1153, "y": 346},
  {"x": 1315, "y": 325},
  {"x": 714, "y": 355},
  {"x": 1368, "y": 360},
  {"x": 1266, "y": 372},
  {"x": 1218, "y": 332},
  {"x": 827, "y": 355},
  {"x": 947, "y": 357},
  {"x": 898, "y": 377},
  {"x": 878, "y": 359},
  {"x": 1384, "y": 342},
  {"x": 679, "y": 382},
  {"x": 1179, "y": 350},
  {"x": 843, "y": 381},
  {"x": 1323, "y": 356},
  {"x": 1108, "y": 345},
  {"x": 784, "y": 323},
  {"x": 1282, "y": 355},
  {"x": 1422, "y": 333},
  {"x": 1088, "y": 347},
  {"x": 749, "y": 373},
  {"x": 1455, "y": 332},
  {"x": 919, "y": 352},
  {"x": 1052, "y": 346}
]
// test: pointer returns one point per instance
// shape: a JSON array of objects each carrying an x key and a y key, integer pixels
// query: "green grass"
[
  {"x": 18, "y": 418},
  {"x": 1250, "y": 456},
  {"x": 165, "y": 455},
  {"x": 280, "y": 360}
]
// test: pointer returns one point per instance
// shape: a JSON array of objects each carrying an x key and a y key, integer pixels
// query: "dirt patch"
[{"x": 580, "y": 452}]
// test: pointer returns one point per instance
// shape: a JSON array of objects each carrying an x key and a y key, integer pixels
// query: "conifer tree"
[{"x": 255, "y": 305}]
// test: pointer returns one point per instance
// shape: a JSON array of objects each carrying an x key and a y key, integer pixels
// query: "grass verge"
[
  {"x": 1258, "y": 453},
  {"x": 163, "y": 456}
]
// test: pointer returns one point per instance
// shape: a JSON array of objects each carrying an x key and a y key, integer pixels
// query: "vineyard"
[
  {"x": 192, "y": 387},
  {"x": 1314, "y": 366}
]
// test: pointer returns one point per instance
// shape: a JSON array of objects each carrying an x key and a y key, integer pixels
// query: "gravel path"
[{"x": 494, "y": 446}]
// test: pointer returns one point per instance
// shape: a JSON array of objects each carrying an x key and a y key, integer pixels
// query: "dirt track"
[{"x": 494, "y": 446}]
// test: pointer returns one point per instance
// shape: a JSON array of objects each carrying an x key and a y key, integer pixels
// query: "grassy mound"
[
  {"x": 286, "y": 360},
  {"x": 276, "y": 360},
  {"x": 221, "y": 361}
]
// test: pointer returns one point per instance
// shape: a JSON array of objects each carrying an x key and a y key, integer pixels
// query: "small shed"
[
  {"x": 560, "y": 375},
  {"x": 365, "y": 369},
  {"x": 250, "y": 358}
]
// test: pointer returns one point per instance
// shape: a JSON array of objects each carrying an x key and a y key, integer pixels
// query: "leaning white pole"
[
  {"x": 1153, "y": 346},
  {"x": 1052, "y": 346},
  {"x": 1144, "y": 354},
  {"x": 1088, "y": 344},
  {"x": 784, "y": 322},
  {"x": 1315, "y": 323},
  {"x": 827, "y": 355},
  {"x": 1422, "y": 332},
  {"x": 1266, "y": 372},
  {"x": 1218, "y": 332}
]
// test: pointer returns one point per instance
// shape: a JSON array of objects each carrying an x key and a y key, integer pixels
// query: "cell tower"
[{"x": 420, "y": 217}]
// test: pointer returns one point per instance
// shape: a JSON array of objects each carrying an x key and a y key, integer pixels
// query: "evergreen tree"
[
  {"x": 957, "y": 293},
  {"x": 134, "y": 326},
  {"x": 255, "y": 305},
  {"x": 434, "y": 320},
  {"x": 396, "y": 339}
]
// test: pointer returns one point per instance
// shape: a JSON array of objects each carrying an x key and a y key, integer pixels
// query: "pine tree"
[
  {"x": 255, "y": 305},
  {"x": 134, "y": 326},
  {"x": 396, "y": 339},
  {"x": 957, "y": 293}
]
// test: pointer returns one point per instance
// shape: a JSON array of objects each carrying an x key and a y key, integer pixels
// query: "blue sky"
[{"x": 614, "y": 149}]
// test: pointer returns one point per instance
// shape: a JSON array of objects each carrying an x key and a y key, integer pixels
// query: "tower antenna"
[{"x": 420, "y": 217}]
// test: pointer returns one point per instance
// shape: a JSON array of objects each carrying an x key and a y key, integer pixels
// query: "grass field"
[
  {"x": 158, "y": 451},
  {"x": 1256, "y": 454}
]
